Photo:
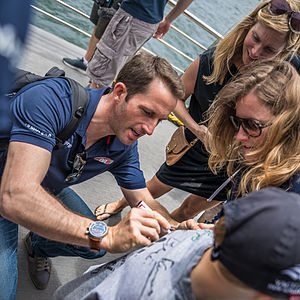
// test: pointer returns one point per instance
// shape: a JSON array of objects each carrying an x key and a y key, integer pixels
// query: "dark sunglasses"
[
  {"x": 252, "y": 127},
  {"x": 280, "y": 7},
  {"x": 78, "y": 166}
]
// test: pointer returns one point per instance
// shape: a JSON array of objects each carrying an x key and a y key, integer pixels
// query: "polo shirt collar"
[{"x": 113, "y": 143}]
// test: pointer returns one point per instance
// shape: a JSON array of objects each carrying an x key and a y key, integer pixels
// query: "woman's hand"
[{"x": 191, "y": 224}]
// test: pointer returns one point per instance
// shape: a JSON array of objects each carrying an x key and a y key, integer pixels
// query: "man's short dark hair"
[{"x": 138, "y": 73}]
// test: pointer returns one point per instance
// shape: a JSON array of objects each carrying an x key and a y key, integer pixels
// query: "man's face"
[{"x": 140, "y": 114}]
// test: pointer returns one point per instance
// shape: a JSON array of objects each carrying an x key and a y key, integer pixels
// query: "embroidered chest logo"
[{"x": 104, "y": 160}]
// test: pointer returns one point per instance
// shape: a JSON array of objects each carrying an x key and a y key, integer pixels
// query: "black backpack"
[{"x": 80, "y": 97}]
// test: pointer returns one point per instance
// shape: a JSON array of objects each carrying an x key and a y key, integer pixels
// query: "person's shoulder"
[
  {"x": 206, "y": 61},
  {"x": 50, "y": 92},
  {"x": 207, "y": 55},
  {"x": 57, "y": 85},
  {"x": 208, "y": 52},
  {"x": 46, "y": 105}
]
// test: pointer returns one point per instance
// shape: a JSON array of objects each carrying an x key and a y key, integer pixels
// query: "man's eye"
[{"x": 147, "y": 112}]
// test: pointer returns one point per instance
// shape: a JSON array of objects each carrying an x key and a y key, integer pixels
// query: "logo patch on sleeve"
[{"x": 104, "y": 160}]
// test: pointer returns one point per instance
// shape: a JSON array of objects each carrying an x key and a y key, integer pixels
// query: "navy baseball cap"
[{"x": 261, "y": 246}]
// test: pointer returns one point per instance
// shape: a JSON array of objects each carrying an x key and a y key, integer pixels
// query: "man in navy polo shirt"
[{"x": 145, "y": 92}]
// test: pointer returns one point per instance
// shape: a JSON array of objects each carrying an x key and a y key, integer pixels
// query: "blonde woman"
[
  {"x": 271, "y": 31},
  {"x": 255, "y": 127}
]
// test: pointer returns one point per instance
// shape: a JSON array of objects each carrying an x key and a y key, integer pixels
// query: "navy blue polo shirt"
[{"x": 43, "y": 109}]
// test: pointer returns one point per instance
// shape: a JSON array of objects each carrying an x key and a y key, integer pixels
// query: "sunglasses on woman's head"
[
  {"x": 252, "y": 127},
  {"x": 281, "y": 7}
]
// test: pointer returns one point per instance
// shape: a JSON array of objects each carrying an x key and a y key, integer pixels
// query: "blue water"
[{"x": 221, "y": 15}]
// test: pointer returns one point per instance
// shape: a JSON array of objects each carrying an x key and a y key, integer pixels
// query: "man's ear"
[{"x": 119, "y": 92}]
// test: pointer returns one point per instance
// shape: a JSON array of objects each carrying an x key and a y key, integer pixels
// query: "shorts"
[
  {"x": 124, "y": 36},
  {"x": 192, "y": 174}
]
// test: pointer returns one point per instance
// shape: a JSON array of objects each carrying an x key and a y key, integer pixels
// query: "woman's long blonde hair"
[
  {"x": 277, "y": 85},
  {"x": 230, "y": 48}
]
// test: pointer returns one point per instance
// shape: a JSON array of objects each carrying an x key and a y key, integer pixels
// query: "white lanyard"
[{"x": 221, "y": 187}]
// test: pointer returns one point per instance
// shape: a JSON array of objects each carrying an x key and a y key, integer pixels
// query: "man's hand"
[
  {"x": 165, "y": 24},
  {"x": 162, "y": 29},
  {"x": 139, "y": 228}
]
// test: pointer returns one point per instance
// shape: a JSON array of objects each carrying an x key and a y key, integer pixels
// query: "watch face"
[{"x": 98, "y": 229}]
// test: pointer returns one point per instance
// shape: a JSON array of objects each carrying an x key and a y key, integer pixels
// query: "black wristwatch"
[{"x": 96, "y": 232}]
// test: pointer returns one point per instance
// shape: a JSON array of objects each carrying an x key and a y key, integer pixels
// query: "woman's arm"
[{"x": 189, "y": 80}]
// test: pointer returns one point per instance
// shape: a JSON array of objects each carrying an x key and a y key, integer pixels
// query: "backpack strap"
[{"x": 80, "y": 99}]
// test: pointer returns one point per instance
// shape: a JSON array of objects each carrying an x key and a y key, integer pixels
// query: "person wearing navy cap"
[{"x": 253, "y": 253}]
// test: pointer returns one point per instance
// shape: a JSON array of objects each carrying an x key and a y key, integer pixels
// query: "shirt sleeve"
[
  {"x": 128, "y": 173},
  {"x": 40, "y": 112}
]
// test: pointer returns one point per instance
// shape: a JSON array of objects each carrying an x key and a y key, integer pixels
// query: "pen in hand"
[{"x": 143, "y": 205}]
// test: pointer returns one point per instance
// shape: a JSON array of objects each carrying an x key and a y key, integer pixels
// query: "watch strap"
[{"x": 94, "y": 245}]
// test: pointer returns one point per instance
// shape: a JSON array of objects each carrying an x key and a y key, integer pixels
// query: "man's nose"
[{"x": 150, "y": 126}]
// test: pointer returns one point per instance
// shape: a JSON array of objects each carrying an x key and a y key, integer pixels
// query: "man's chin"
[{"x": 127, "y": 140}]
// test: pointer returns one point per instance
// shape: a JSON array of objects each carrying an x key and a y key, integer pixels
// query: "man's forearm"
[
  {"x": 179, "y": 8},
  {"x": 32, "y": 207},
  {"x": 25, "y": 202}
]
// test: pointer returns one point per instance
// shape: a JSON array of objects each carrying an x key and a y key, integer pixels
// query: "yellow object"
[{"x": 172, "y": 118}]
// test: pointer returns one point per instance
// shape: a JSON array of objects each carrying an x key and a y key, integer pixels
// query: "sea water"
[{"x": 221, "y": 15}]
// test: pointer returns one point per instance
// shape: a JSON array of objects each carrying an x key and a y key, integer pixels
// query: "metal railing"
[{"x": 172, "y": 3}]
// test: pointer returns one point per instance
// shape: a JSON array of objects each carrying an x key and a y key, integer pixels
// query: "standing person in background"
[
  {"x": 101, "y": 14},
  {"x": 270, "y": 31},
  {"x": 131, "y": 27}
]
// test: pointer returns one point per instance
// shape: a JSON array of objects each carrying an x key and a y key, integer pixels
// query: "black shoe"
[
  {"x": 39, "y": 267},
  {"x": 77, "y": 63}
]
